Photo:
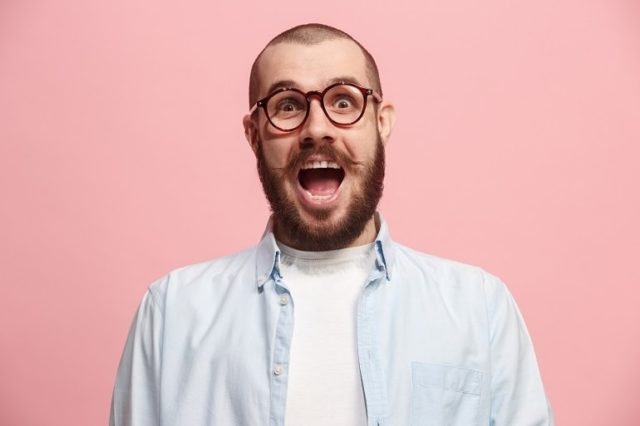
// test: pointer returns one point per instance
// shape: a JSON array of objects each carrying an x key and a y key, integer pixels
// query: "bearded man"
[{"x": 327, "y": 321}]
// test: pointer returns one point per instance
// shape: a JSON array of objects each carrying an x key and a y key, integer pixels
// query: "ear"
[
  {"x": 386, "y": 120},
  {"x": 251, "y": 132}
]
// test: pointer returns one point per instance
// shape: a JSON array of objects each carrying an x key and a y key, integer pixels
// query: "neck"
[{"x": 368, "y": 234}]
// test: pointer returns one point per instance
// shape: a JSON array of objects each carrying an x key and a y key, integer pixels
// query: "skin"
[{"x": 314, "y": 67}]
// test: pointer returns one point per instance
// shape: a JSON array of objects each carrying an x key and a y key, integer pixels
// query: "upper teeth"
[{"x": 320, "y": 165}]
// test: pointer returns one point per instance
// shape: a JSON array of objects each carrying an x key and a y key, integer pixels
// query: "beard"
[{"x": 322, "y": 234}]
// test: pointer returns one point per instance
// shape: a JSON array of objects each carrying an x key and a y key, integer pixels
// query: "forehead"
[{"x": 312, "y": 67}]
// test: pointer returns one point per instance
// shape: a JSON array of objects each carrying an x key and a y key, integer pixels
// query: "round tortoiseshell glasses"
[{"x": 343, "y": 103}]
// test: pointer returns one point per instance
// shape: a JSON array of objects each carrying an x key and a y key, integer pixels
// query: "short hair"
[{"x": 310, "y": 34}]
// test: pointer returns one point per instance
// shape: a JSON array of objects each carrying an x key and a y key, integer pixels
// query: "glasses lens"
[
  {"x": 287, "y": 109},
  {"x": 344, "y": 103}
]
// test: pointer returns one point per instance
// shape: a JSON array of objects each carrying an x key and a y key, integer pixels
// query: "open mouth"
[{"x": 320, "y": 179}]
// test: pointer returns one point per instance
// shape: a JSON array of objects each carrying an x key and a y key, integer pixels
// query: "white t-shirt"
[{"x": 324, "y": 378}]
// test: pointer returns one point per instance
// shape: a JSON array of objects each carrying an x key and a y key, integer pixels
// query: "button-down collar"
[{"x": 268, "y": 252}]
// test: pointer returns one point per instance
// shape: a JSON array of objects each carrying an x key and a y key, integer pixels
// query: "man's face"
[{"x": 328, "y": 207}]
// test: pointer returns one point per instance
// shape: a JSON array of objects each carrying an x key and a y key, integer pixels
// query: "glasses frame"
[{"x": 262, "y": 103}]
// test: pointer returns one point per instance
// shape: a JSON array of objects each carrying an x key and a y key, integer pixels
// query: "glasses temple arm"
[{"x": 376, "y": 96}]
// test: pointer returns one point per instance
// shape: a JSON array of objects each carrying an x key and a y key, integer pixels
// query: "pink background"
[{"x": 122, "y": 157}]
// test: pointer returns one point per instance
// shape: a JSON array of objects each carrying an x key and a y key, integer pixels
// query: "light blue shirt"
[{"x": 439, "y": 343}]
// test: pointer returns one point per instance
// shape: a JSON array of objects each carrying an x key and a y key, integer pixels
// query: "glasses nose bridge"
[
  {"x": 309, "y": 97},
  {"x": 314, "y": 93}
]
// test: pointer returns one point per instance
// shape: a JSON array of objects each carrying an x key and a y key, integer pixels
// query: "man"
[{"x": 327, "y": 321}]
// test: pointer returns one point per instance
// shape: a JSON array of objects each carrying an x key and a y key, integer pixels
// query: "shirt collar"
[
  {"x": 385, "y": 247},
  {"x": 268, "y": 252}
]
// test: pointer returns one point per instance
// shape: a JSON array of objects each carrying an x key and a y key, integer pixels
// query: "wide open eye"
[
  {"x": 344, "y": 101},
  {"x": 287, "y": 104}
]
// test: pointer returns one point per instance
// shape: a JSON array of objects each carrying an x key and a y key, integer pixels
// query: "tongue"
[{"x": 320, "y": 181}]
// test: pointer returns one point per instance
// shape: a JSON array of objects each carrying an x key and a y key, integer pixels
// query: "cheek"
[
  {"x": 276, "y": 153},
  {"x": 276, "y": 148},
  {"x": 273, "y": 150},
  {"x": 362, "y": 147}
]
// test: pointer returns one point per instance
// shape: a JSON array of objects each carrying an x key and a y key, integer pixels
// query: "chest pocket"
[{"x": 444, "y": 395}]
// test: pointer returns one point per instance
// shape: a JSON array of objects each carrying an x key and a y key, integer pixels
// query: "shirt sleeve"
[
  {"x": 517, "y": 392},
  {"x": 135, "y": 400}
]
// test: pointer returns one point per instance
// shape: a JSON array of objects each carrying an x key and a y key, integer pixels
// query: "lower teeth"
[{"x": 319, "y": 197}]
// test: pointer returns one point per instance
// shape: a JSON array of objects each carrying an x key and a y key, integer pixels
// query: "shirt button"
[
  {"x": 277, "y": 371},
  {"x": 284, "y": 300}
]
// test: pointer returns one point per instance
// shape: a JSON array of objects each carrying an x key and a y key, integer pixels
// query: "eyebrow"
[
  {"x": 291, "y": 84},
  {"x": 280, "y": 84},
  {"x": 345, "y": 79}
]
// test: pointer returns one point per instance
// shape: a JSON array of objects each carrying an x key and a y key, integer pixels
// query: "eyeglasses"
[{"x": 343, "y": 103}]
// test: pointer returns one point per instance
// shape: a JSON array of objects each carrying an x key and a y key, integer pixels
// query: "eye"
[
  {"x": 289, "y": 105},
  {"x": 343, "y": 102},
  {"x": 343, "y": 99}
]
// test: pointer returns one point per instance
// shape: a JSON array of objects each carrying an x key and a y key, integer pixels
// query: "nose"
[{"x": 317, "y": 128}]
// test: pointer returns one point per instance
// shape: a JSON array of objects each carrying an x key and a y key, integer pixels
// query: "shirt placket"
[
  {"x": 373, "y": 380},
  {"x": 280, "y": 365}
]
